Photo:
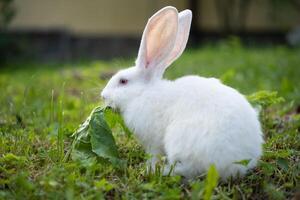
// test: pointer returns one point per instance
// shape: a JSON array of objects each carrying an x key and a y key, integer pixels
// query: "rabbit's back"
[{"x": 214, "y": 124}]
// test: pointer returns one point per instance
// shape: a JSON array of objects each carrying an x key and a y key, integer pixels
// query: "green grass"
[{"x": 41, "y": 106}]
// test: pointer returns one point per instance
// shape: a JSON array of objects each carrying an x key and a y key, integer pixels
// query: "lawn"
[{"x": 43, "y": 104}]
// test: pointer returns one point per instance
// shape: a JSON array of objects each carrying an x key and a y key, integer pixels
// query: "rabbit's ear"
[
  {"x": 185, "y": 19},
  {"x": 158, "y": 41}
]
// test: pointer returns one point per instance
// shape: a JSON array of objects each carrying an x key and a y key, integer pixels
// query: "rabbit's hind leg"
[{"x": 179, "y": 143}]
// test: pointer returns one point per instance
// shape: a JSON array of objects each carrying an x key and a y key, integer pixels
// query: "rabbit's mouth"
[
  {"x": 114, "y": 109},
  {"x": 112, "y": 106}
]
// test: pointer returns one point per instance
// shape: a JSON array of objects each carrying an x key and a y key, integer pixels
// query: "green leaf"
[
  {"x": 102, "y": 140},
  {"x": 81, "y": 147},
  {"x": 113, "y": 118},
  {"x": 83, "y": 151},
  {"x": 243, "y": 162},
  {"x": 94, "y": 138},
  {"x": 210, "y": 182},
  {"x": 283, "y": 163},
  {"x": 81, "y": 134}
]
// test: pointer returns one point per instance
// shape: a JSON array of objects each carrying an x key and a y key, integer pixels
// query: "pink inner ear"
[{"x": 160, "y": 37}]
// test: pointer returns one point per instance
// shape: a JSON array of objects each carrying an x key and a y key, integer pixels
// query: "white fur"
[{"x": 193, "y": 121}]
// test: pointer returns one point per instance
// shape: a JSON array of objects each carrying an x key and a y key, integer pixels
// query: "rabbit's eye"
[{"x": 123, "y": 81}]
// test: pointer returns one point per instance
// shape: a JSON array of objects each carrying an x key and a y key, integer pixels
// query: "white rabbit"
[{"x": 193, "y": 121}]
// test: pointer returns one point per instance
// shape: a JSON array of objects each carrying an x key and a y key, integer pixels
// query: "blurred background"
[{"x": 64, "y": 30}]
